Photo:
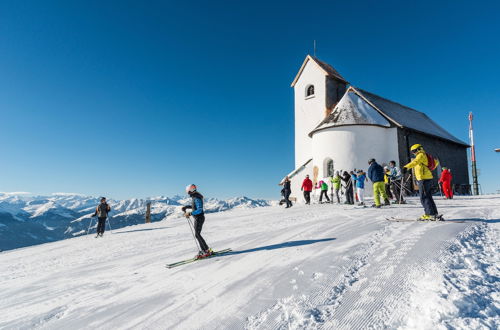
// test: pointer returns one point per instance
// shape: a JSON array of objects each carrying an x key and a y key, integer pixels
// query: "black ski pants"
[
  {"x": 307, "y": 197},
  {"x": 424, "y": 189},
  {"x": 286, "y": 194},
  {"x": 101, "y": 225},
  {"x": 349, "y": 195},
  {"x": 198, "y": 225},
  {"x": 325, "y": 193}
]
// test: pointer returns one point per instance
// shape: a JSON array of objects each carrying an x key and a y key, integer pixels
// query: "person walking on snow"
[
  {"x": 198, "y": 214},
  {"x": 324, "y": 191},
  {"x": 346, "y": 177},
  {"x": 335, "y": 180},
  {"x": 396, "y": 183},
  {"x": 307, "y": 188},
  {"x": 376, "y": 175},
  {"x": 445, "y": 182},
  {"x": 423, "y": 175},
  {"x": 286, "y": 191},
  {"x": 101, "y": 211},
  {"x": 360, "y": 187}
]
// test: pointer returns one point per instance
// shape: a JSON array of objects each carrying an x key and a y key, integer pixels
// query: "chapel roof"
[
  {"x": 325, "y": 67},
  {"x": 359, "y": 105}
]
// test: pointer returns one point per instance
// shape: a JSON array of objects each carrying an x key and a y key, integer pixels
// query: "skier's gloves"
[{"x": 187, "y": 214}]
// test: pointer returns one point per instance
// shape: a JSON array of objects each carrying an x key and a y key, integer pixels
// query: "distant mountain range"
[{"x": 28, "y": 220}]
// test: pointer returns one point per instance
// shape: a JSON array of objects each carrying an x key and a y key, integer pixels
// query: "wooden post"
[{"x": 148, "y": 212}]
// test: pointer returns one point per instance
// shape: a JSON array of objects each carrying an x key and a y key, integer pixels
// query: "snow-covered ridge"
[{"x": 26, "y": 219}]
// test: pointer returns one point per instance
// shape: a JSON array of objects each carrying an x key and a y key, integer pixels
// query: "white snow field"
[{"x": 308, "y": 267}]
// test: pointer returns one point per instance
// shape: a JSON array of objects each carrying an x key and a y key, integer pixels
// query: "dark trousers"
[
  {"x": 325, "y": 193},
  {"x": 349, "y": 195},
  {"x": 101, "y": 225},
  {"x": 307, "y": 197},
  {"x": 388, "y": 190},
  {"x": 198, "y": 225},
  {"x": 424, "y": 189},
  {"x": 286, "y": 194}
]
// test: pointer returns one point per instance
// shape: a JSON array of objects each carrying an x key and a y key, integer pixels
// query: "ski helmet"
[
  {"x": 190, "y": 188},
  {"x": 415, "y": 147}
]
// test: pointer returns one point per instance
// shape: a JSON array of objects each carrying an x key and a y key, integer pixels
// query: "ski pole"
[
  {"x": 400, "y": 188},
  {"x": 90, "y": 225},
  {"x": 192, "y": 232},
  {"x": 403, "y": 188}
]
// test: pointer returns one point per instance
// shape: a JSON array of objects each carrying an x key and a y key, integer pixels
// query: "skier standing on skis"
[
  {"x": 376, "y": 175},
  {"x": 198, "y": 214},
  {"x": 423, "y": 175},
  {"x": 101, "y": 211},
  {"x": 445, "y": 181},
  {"x": 395, "y": 177},
  {"x": 307, "y": 188}
]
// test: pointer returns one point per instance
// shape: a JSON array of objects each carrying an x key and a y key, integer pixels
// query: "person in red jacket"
[
  {"x": 445, "y": 182},
  {"x": 307, "y": 187}
]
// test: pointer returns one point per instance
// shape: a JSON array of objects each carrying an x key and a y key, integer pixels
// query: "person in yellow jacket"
[{"x": 423, "y": 175}]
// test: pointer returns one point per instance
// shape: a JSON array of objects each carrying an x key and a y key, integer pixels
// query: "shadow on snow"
[
  {"x": 282, "y": 245},
  {"x": 146, "y": 229}
]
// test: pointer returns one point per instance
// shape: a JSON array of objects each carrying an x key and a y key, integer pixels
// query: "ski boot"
[
  {"x": 387, "y": 202},
  {"x": 437, "y": 217},
  {"x": 425, "y": 217},
  {"x": 200, "y": 255}
]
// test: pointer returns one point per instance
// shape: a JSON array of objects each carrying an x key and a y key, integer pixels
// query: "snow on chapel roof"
[{"x": 352, "y": 110}]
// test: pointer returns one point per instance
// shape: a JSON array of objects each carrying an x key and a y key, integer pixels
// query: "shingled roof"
[
  {"x": 400, "y": 115},
  {"x": 327, "y": 68}
]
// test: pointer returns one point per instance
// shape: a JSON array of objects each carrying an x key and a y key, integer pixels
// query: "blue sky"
[{"x": 135, "y": 99}]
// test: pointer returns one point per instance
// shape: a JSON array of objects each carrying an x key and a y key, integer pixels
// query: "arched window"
[
  {"x": 328, "y": 168},
  {"x": 309, "y": 90}
]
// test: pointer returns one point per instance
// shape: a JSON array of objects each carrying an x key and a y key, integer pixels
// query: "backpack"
[{"x": 432, "y": 163}]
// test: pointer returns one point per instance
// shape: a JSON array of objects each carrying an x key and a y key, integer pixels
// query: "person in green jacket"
[
  {"x": 335, "y": 180},
  {"x": 324, "y": 191}
]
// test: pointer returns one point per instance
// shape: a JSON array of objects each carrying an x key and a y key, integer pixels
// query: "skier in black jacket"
[
  {"x": 349, "y": 190},
  {"x": 101, "y": 211},
  {"x": 199, "y": 218}
]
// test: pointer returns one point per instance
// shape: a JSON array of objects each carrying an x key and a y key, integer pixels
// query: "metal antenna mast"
[{"x": 475, "y": 184}]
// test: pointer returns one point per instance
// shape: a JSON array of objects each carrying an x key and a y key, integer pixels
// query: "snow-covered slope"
[
  {"x": 28, "y": 220},
  {"x": 318, "y": 266}
]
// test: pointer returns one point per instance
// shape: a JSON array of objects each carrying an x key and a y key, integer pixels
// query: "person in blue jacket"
[
  {"x": 360, "y": 187},
  {"x": 199, "y": 218},
  {"x": 376, "y": 175}
]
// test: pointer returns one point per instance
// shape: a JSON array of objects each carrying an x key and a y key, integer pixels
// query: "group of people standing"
[
  {"x": 388, "y": 182},
  {"x": 352, "y": 185}
]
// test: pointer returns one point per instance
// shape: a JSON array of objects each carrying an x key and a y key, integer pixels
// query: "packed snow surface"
[{"x": 308, "y": 267}]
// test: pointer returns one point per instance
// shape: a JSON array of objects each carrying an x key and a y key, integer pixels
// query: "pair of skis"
[
  {"x": 394, "y": 219},
  {"x": 188, "y": 261}
]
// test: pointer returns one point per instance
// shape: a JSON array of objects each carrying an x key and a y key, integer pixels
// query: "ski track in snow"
[{"x": 323, "y": 266}]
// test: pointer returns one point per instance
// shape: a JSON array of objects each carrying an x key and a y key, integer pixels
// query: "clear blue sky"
[{"x": 140, "y": 98}]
